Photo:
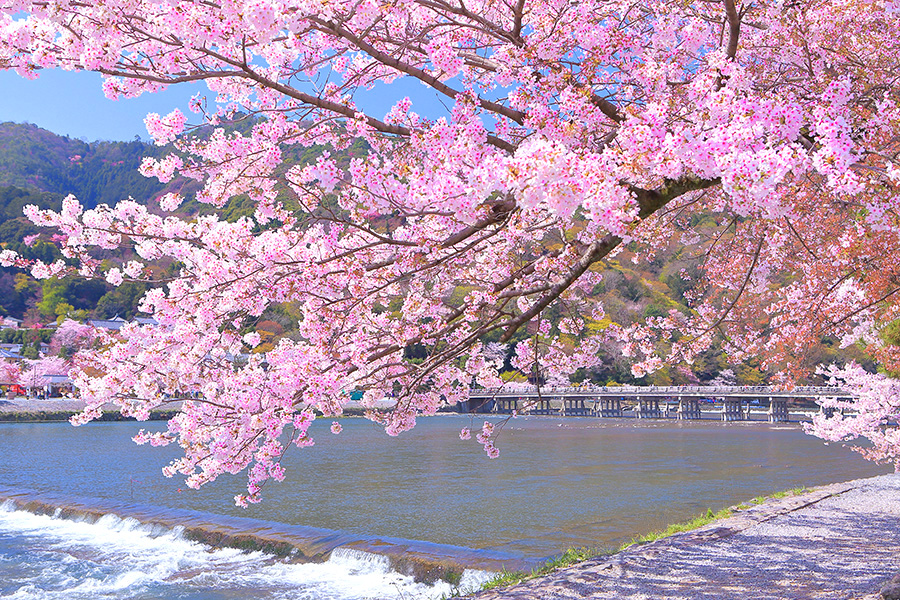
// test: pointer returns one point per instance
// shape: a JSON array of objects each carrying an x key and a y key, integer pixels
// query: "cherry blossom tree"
[
  {"x": 571, "y": 130},
  {"x": 871, "y": 415},
  {"x": 36, "y": 373},
  {"x": 10, "y": 372},
  {"x": 70, "y": 336}
]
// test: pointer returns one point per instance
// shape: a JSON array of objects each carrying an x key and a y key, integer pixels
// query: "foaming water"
[{"x": 46, "y": 557}]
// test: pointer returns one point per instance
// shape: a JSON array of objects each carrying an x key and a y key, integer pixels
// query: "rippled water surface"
[{"x": 558, "y": 483}]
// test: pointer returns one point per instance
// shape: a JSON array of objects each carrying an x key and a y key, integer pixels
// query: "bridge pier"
[
  {"x": 778, "y": 410},
  {"x": 541, "y": 406},
  {"x": 688, "y": 408},
  {"x": 575, "y": 406},
  {"x": 648, "y": 407},
  {"x": 610, "y": 407},
  {"x": 506, "y": 406},
  {"x": 829, "y": 411},
  {"x": 478, "y": 404},
  {"x": 732, "y": 409}
]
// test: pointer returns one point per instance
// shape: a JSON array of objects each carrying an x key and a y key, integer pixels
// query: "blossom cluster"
[{"x": 571, "y": 130}]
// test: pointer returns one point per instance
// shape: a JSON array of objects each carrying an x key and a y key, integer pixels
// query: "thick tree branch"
[
  {"x": 734, "y": 27},
  {"x": 499, "y": 212},
  {"x": 461, "y": 11},
  {"x": 649, "y": 201},
  {"x": 432, "y": 81},
  {"x": 517, "y": 19}
]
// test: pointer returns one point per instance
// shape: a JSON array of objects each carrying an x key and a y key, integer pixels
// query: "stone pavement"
[
  {"x": 21, "y": 404},
  {"x": 840, "y": 541}
]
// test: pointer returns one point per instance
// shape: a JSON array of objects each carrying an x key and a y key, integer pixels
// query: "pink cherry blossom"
[{"x": 574, "y": 134}]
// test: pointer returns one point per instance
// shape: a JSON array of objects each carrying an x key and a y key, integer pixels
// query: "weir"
[{"x": 424, "y": 561}]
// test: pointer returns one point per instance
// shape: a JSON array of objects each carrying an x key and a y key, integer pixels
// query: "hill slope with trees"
[{"x": 102, "y": 172}]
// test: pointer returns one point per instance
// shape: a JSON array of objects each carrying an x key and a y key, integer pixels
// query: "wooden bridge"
[{"x": 646, "y": 402}]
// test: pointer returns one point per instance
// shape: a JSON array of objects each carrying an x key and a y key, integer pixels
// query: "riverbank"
[
  {"x": 31, "y": 410},
  {"x": 838, "y": 541}
]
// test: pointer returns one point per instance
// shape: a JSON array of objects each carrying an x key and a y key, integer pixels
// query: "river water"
[{"x": 559, "y": 482}]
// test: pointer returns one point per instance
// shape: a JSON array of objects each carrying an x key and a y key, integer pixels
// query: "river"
[{"x": 559, "y": 482}]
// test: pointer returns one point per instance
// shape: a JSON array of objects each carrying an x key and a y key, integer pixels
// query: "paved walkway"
[
  {"x": 836, "y": 542},
  {"x": 21, "y": 404}
]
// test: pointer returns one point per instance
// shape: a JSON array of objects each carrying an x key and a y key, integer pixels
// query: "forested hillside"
[
  {"x": 39, "y": 167},
  {"x": 32, "y": 158}
]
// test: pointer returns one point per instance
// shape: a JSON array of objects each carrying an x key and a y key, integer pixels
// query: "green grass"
[
  {"x": 792, "y": 492},
  {"x": 576, "y": 555},
  {"x": 695, "y": 523},
  {"x": 569, "y": 557}
]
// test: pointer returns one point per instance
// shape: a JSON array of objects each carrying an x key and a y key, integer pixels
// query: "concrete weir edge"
[{"x": 424, "y": 561}]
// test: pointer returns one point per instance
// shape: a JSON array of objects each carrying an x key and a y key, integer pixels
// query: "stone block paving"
[{"x": 840, "y": 541}]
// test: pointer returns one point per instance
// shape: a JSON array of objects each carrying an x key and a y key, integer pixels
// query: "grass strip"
[{"x": 568, "y": 558}]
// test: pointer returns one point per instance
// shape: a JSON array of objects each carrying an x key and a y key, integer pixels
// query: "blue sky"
[{"x": 73, "y": 104}]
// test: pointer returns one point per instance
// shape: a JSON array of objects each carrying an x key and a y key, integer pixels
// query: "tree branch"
[
  {"x": 649, "y": 201},
  {"x": 734, "y": 27},
  {"x": 404, "y": 67}
]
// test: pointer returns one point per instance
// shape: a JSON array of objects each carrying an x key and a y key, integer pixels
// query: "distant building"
[
  {"x": 48, "y": 386},
  {"x": 10, "y": 323},
  {"x": 11, "y": 351},
  {"x": 116, "y": 322}
]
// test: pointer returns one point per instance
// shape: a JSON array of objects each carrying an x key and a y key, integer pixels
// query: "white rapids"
[{"x": 44, "y": 557}]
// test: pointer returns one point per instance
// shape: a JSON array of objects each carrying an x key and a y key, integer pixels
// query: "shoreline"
[
  {"x": 697, "y": 563},
  {"x": 830, "y": 542},
  {"x": 56, "y": 410}
]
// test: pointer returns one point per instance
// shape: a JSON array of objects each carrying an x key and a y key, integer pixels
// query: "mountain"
[{"x": 35, "y": 159}]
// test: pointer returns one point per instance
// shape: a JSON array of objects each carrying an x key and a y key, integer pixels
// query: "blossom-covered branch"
[{"x": 571, "y": 130}]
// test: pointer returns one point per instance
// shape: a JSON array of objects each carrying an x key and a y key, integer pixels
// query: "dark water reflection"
[{"x": 558, "y": 482}]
